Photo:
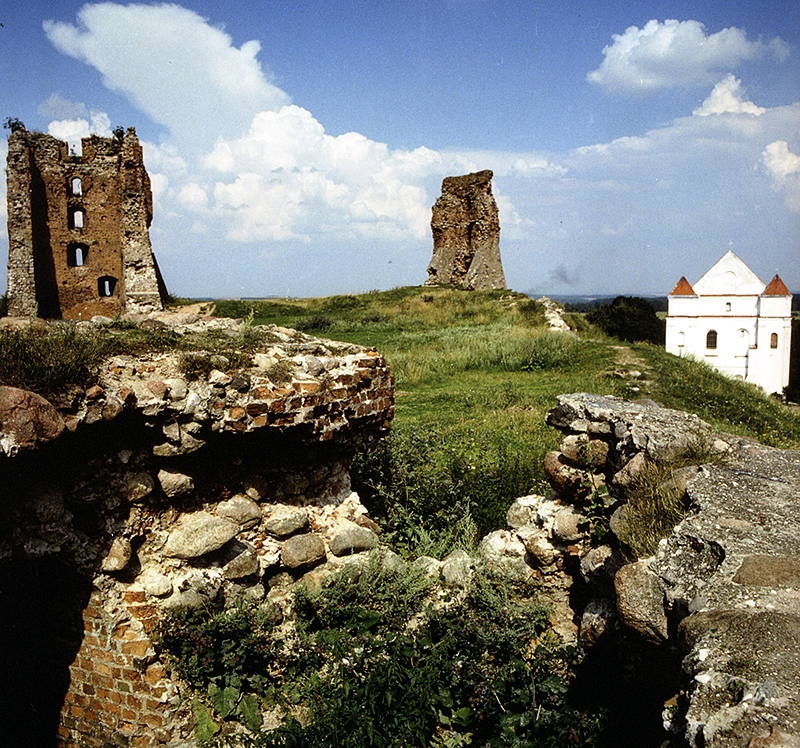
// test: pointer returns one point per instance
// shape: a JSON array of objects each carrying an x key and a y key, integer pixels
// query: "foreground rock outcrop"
[
  {"x": 722, "y": 589},
  {"x": 466, "y": 235}
]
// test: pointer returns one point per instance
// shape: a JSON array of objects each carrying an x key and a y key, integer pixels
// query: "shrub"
[
  {"x": 629, "y": 318},
  {"x": 427, "y": 487},
  {"x": 314, "y": 323},
  {"x": 532, "y": 312},
  {"x": 553, "y": 350}
]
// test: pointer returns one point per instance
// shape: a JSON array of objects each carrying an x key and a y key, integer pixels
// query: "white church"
[{"x": 734, "y": 322}]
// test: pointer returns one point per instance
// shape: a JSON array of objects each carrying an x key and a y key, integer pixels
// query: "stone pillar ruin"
[
  {"x": 78, "y": 228},
  {"x": 466, "y": 235}
]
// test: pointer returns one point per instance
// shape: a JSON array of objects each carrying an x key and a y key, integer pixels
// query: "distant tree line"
[
  {"x": 629, "y": 318},
  {"x": 584, "y": 306}
]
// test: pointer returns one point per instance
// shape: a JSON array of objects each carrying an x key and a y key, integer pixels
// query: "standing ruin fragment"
[
  {"x": 78, "y": 239},
  {"x": 466, "y": 235}
]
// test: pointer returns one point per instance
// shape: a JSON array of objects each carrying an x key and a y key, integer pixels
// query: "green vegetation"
[
  {"x": 47, "y": 361},
  {"x": 373, "y": 661},
  {"x": 655, "y": 502},
  {"x": 377, "y": 660},
  {"x": 629, "y": 318},
  {"x": 476, "y": 373}
]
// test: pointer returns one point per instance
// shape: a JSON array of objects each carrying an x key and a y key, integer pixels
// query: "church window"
[
  {"x": 773, "y": 340},
  {"x": 711, "y": 339},
  {"x": 728, "y": 306},
  {"x": 75, "y": 186}
]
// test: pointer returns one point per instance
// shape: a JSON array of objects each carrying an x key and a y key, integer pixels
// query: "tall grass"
[
  {"x": 47, "y": 362},
  {"x": 731, "y": 405},
  {"x": 418, "y": 357}
]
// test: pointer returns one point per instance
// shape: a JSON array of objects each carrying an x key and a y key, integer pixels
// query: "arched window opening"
[
  {"x": 711, "y": 340},
  {"x": 727, "y": 306},
  {"x": 773, "y": 340},
  {"x": 106, "y": 285},
  {"x": 681, "y": 339},
  {"x": 76, "y": 218},
  {"x": 76, "y": 255},
  {"x": 75, "y": 186}
]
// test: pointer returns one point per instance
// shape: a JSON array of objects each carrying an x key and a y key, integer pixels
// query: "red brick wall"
[{"x": 119, "y": 693}]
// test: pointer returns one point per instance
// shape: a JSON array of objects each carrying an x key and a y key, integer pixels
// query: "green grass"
[
  {"x": 731, "y": 405},
  {"x": 476, "y": 373}
]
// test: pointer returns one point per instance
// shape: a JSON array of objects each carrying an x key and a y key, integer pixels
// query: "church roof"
[
  {"x": 776, "y": 287},
  {"x": 729, "y": 276},
  {"x": 682, "y": 288}
]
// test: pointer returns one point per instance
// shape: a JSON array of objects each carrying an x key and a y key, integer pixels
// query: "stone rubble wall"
[
  {"x": 162, "y": 491},
  {"x": 723, "y": 588}
]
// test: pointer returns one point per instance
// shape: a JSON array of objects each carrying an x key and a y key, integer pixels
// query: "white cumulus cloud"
[
  {"x": 287, "y": 178},
  {"x": 72, "y": 130},
  {"x": 727, "y": 98},
  {"x": 172, "y": 64},
  {"x": 784, "y": 167},
  {"x": 674, "y": 53}
]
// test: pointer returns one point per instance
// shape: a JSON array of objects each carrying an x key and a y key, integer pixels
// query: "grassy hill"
[{"x": 476, "y": 373}]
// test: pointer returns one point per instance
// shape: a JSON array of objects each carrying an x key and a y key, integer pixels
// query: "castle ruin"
[
  {"x": 78, "y": 240},
  {"x": 466, "y": 235}
]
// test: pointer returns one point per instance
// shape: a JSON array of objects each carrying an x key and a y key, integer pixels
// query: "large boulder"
[
  {"x": 26, "y": 420},
  {"x": 198, "y": 534},
  {"x": 640, "y": 601}
]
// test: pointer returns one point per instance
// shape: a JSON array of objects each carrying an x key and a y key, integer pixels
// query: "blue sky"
[{"x": 296, "y": 148}]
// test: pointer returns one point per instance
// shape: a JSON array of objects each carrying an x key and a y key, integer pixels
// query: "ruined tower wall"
[
  {"x": 141, "y": 288},
  {"x": 466, "y": 235},
  {"x": 78, "y": 226},
  {"x": 21, "y": 279}
]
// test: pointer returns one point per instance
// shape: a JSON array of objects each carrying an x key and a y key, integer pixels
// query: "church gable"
[{"x": 729, "y": 277}]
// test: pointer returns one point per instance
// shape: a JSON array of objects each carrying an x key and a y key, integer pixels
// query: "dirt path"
[{"x": 635, "y": 370}]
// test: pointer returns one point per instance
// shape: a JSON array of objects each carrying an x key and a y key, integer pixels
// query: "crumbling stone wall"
[
  {"x": 150, "y": 490},
  {"x": 722, "y": 590},
  {"x": 79, "y": 243},
  {"x": 466, "y": 235}
]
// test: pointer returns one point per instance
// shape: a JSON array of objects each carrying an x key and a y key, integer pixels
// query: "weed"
[
  {"x": 655, "y": 503},
  {"x": 481, "y": 672},
  {"x": 280, "y": 372},
  {"x": 421, "y": 483}
]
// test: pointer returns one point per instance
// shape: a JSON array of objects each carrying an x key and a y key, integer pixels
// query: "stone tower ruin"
[
  {"x": 78, "y": 239},
  {"x": 466, "y": 235}
]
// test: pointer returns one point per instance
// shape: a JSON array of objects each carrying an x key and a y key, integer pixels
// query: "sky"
[{"x": 296, "y": 147}]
